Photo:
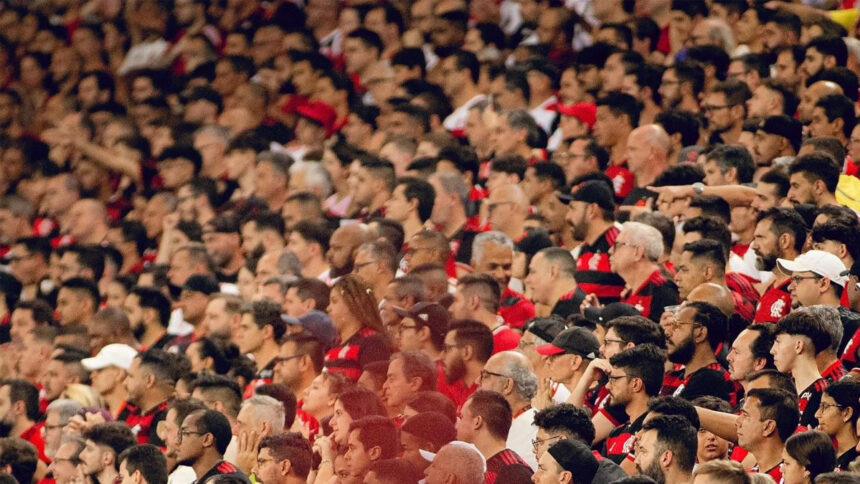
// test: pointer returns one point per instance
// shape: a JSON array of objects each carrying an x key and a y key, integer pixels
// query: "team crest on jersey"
[
  {"x": 593, "y": 261},
  {"x": 777, "y": 308}
]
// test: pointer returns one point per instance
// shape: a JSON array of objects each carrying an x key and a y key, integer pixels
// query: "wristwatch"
[{"x": 698, "y": 188}]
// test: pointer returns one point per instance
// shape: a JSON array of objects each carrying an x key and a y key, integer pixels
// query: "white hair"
[
  {"x": 646, "y": 236},
  {"x": 484, "y": 238},
  {"x": 316, "y": 176},
  {"x": 267, "y": 409}
]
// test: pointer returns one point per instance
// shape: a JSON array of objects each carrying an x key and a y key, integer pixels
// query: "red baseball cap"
[
  {"x": 585, "y": 112},
  {"x": 320, "y": 113}
]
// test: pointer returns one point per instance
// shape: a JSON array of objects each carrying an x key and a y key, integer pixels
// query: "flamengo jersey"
[
  {"x": 808, "y": 402},
  {"x": 774, "y": 304},
  {"x": 653, "y": 296},
  {"x": 593, "y": 273}
]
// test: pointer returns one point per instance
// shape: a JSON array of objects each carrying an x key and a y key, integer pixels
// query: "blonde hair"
[
  {"x": 726, "y": 471},
  {"x": 83, "y": 394}
]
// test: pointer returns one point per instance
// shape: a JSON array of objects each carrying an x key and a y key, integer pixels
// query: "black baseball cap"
[
  {"x": 575, "y": 340},
  {"x": 201, "y": 283},
  {"x": 782, "y": 125},
  {"x": 575, "y": 457},
  {"x": 609, "y": 312},
  {"x": 545, "y": 328},
  {"x": 592, "y": 191},
  {"x": 430, "y": 314}
]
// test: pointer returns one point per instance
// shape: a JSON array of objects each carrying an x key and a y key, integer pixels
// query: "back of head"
[
  {"x": 147, "y": 459},
  {"x": 394, "y": 471},
  {"x": 378, "y": 431},
  {"x": 494, "y": 410},
  {"x": 725, "y": 471}
]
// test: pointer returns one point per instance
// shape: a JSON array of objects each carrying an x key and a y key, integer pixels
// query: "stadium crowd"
[{"x": 441, "y": 241}]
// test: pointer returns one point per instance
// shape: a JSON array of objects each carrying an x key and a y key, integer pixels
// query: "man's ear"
[
  {"x": 768, "y": 428},
  {"x": 374, "y": 453},
  {"x": 666, "y": 459},
  {"x": 415, "y": 383},
  {"x": 284, "y": 467}
]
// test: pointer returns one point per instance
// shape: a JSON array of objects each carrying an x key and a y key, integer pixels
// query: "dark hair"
[
  {"x": 692, "y": 73},
  {"x": 266, "y": 313},
  {"x": 215, "y": 423},
  {"x": 416, "y": 364},
  {"x": 467, "y": 60},
  {"x": 411, "y": 57},
  {"x": 813, "y": 450},
  {"x": 840, "y": 232},
  {"x": 684, "y": 122},
  {"x": 433, "y": 402},
  {"x": 510, "y": 164},
  {"x": 789, "y": 98},
  {"x": 805, "y": 324},
  {"x": 761, "y": 345},
  {"x": 314, "y": 232},
  {"x": 474, "y": 334},
  {"x": 567, "y": 418},
  {"x": 24, "y": 391},
  {"x": 416, "y": 189},
  {"x": 709, "y": 249},
  {"x": 786, "y": 21},
  {"x": 293, "y": 447},
  {"x": 712, "y": 319},
  {"x": 692, "y": 9},
  {"x": 360, "y": 402},
  {"x": 369, "y": 38},
  {"x": 786, "y": 221},
  {"x": 828, "y": 144},
  {"x": 224, "y": 389},
  {"x": 622, "y": 104},
  {"x": 846, "y": 394},
  {"x": 163, "y": 365},
  {"x": 837, "y": 106},
  {"x": 671, "y": 405},
  {"x": 830, "y": 46},
  {"x": 710, "y": 228},
  {"x": 116, "y": 435},
  {"x": 780, "y": 406},
  {"x": 733, "y": 156},
  {"x": 41, "y": 312},
  {"x": 89, "y": 256},
  {"x": 184, "y": 152},
  {"x": 637, "y": 330},
  {"x": 675, "y": 433},
  {"x": 843, "y": 76},
  {"x": 185, "y": 407},
  {"x": 148, "y": 459},
  {"x": 644, "y": 361},
  {"x": 151, "y": 298},
  {"x": 817, "y": 166},
  {"x": 21, "y": 457},
  {"x": 494, "y": 410},
  {"x": 378, "y": 431},
  {"x": 776, "y": 379},
  {"x": 775, "y": 176},
  {"x": 716, "y": 57}
]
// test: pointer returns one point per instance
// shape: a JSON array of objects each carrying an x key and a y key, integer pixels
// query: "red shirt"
[
  {"x": 515, "y": 309},
  {"x": 774, "y": 304},
  {"x": 457, "y": 392},
  {"x": 34, "y": 436},
  {"x": 504, "y": 339},
  {"x": 622, "y": 179}
]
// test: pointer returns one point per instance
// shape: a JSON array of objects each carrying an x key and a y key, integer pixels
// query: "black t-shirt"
[{"x": 223, "y": 468}]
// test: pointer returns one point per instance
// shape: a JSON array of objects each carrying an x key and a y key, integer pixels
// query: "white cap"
[
  {"x": 117, "y": 355},
  {"x": 819, "y": 262},
  {"x": 429, "y": 456}
]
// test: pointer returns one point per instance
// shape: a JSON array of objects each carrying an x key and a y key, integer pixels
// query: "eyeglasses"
[
  {"x": 796, "y": 279},
  {"x": 262, "y": 462},
  {"x": 614, "y": 378},
  {"x": 284, "y": 359},
  {"x": 710, "y": 107},
  {"x": 357, "y": 267},
  {"x": 185, "y": 433},
  {"x": 675, "y": 324},
  {"x": 825, "y": 406},
  {"x": 619, "y": 243},
  {"x": 537, "y": 442},
  {"x": 485, "y": 374},
  {"x": 404, "y": 327},
  {"x": 607, "y": 341}
]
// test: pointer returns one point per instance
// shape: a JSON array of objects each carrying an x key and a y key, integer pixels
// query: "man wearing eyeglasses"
[
  {"x": 203, "y": 439},
  {"x": 64, "y": 466},
  {"x": 725, "y": 110}
]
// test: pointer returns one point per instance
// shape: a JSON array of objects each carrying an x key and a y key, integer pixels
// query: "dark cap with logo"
[
  {"x": 545, "y": 328},
  {"x": 609, "y": 312},
  {"x": 430, "y": 314},
  {"x": 575, "y": 457},
  {"x": 577, "y": 341},
  {"x": 592, "y": 191}
]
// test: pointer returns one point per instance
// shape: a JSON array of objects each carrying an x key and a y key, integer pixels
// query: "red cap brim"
[{"x": 549, "y": 350}]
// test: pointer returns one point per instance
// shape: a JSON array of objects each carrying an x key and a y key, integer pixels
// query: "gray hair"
[
  {"x": 315, "y": 176},
  {"x": 221, "y": 133},
  {"x": 281, "y": 162},
  {"x": 519, "y": 119},
  {"x": 74, "y": 439},
  {"x": 720, "y": 32},
  {"x": 453, "y": 183},
  {"x": 267, "y": 409},
  {"x": 525, "y": 381},
  {"x": 646, "y": 236},
  {"x": 830, "y": 320},
  {"x": 288, "y": 264},
  {"x": 65, "y": 408},
  {"x": 484, "y": 238},
  {"x": 19, "y": 206}
]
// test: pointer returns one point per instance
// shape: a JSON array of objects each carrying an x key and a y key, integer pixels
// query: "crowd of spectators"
[{"x": 441, "y": 241}]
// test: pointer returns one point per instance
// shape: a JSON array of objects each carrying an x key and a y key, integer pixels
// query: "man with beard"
[
  {"x": 725, "y": 109},
  {"x": 341, "y": 248},
  {"x": 19, "y": 413},
  {"x": 468, "y": 345},
  {"x": 223, "y": 244},
  {"x": 681, "y": 86},
  {"x": 150, "y": 386},
  {"x": 222, "y": 316},
  {"x": 169, "y": 431},
  {"x": 203, "y": 438},
  {"x": 104, "y": 443},
  {"x": 813, "y": 178},
  {"x": 262, "y": 233},
  {"x": 822, "y": 53},
  {"x": 108, "y": 370},
  {"x": 148, "y": 310},
  {"x": 274, "y": 451},
  {"x": 591, "y": 214},
  {"x": 666, "y": 450},
  {"x": 493, "y": 255},
  {"x": 693, "y": 335},
  {"x": 192, "y": 302},
  {"x": 636, "y": 376},
  {"x": 780, "y": 233}
]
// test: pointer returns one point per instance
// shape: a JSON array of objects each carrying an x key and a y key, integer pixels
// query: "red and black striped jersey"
[
  {"x": 143, "y": 424},
  {"x": 620, "y": 442},
  {"x": 515, "y": 309},
  {"x": 808, "y": 402},
  {"x": 653, "y": 296},
  {"x": 569, "y": 303},
  {"x": 224, "y": 468},
  {"x": 593, "y": 273},
  {"x": 775, "y": 472},
  {"x": 365, "y": 346},
  {"x": 774, "y": 303},
  {"x": 834, "y": 372},
  {"x": 507, "y": 467},
  {"x": 712, "y": 380}
]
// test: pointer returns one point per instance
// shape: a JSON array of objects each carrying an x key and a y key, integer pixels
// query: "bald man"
[
  {"x": 87, "y": 221},
  {"x": 456, "y": 462},
  {"x": 648, "y": 149},
  {"x": 812, "y": 94},
  {"x": 713, "y": 293},
  {"x": 510, "y": 374},
  {"x": 342, "y": 246},
  {"x": 508, "y": 208}
]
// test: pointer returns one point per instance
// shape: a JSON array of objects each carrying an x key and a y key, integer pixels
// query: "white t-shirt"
[{"x": 523, "y": 431}]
